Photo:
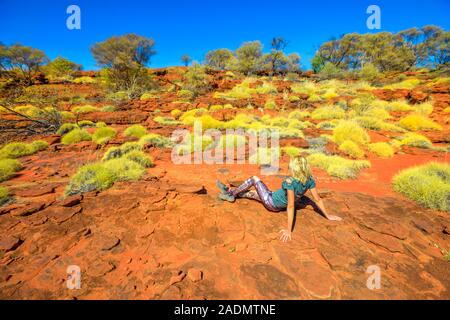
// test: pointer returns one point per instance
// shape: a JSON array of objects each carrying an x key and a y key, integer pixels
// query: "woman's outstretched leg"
[{"x": 264, "y": 194}]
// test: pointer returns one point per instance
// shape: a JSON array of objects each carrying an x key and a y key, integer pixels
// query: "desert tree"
[
  {"x": 186, "y": 60},
  {"x": 61, "y": 68},
  {"x": 196, "y": 80},
  {"x": 23, "y": 62},
  {"x": 220, "y": 59},
  {"x": 249, "y": 57},
  {"x": 125, "y": 59}
]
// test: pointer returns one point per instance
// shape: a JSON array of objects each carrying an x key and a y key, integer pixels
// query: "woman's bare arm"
[
  {"x": 321, "y": 206},
  {"x": 287, "y": 233}
]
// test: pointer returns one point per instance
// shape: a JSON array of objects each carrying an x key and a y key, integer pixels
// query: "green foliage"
[
  {"x": 349, "y": 130},
  {"x": 136, "y": 131},
  {"x": 118, "y": 152},
  {"x": 4, "y": 195},
  {"x": 196, "y": 80},
  {"x": 124, "y": 169},
  {"x": 84, "y": 80},
  {"x": 381, "y": 149},
  {"x": 415, "y": 140},
  {"x": 103, "y": 134},
  {"x": 368, "y": 72},
  {"x": 84, "y": 109},
  {"x": 86, "y": 124},
  {"x": 139, "y": 157},
  {"x": 249, "y": 56},
  {"x": 125, "y": 58},
  {"x": 351, "y": 149},
  {"x": 328, "y": 113},
  {"x": 61, "y": 68},
  {"x": 428, "y": 184},
  {"x": 220, "y": 59},
  {"x": 89, "y": 178},
  {"x": 415, "y": 122},
  {"x": 156, "y": 140},
  {"x": 66, "y": 128},
  {"x": 338, "y": 167},
  {"x": 76, "y": 136},
  {"x": 330, "y": 71},
  {"x": 8, "y": 167},
  {"x": 21, "y": 149},
  {"x": 166, "y": 121}
]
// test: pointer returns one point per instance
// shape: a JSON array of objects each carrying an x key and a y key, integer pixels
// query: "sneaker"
[
  {"x": 223, "y": 188},
  {"x": 226, "y": 197}
]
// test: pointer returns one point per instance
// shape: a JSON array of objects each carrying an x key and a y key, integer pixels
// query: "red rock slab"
[
  {"x": 28, "y": 209},
  {"x": 62, "y": 214},
  {"x": 35, "y": 191},
  {"x": 9, "y": 243},
  {"x": 382, "y": 240},
  {"x": 71, "y": 201},
  {"x": 195, "y": 275}
]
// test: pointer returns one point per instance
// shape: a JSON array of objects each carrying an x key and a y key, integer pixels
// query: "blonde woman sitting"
[{"x": 285, "y": 198}]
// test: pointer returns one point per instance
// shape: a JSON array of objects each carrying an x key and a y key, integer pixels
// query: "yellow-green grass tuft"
[
  {"x": 415, "y": 140},
  {"x": 337, "y": 166},
  {"x": 381, "y": 149},
  {"x": 86, "y": 124},
  {"x": 166, "y": 121},
  {"x": 84, "y": 109},
  {"x": 428, "y": 184},
  {"x": 351, "y": 149},
  {"x": 103, "y": 134},
  {"x": 89, "y": 178},
  {"x": 8, "y": 167},
  {"x": 22, "y": 149},
  {"x": 118, "y": 152},
  {"x": 66, "y": 128},
  {"x": 264, "y": 156},
  {"x": 4, "y": 195},
  {"x": 76, "y": 136},
  {"x": 299, "y": 115},
  {"x": 415, "y": 122},
  {"x": 156, "y": 140},
  {"x": 140, "y": 158},
  {"x": 350, "y": 130},
  {"x": 328, "y": 113},
  {"x": 136, "y": 131},
  {"x": 124, "y": 169},
  {"x": 399, "y": 105}
]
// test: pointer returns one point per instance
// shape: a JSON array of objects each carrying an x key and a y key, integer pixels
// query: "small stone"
[
  {"x": 71, "y": 201},
  {"x": 9, "y": 243},
  {"x": 28, "y": 209},
  {"x": 195, "y": 275},
  {"x": 177, "y": 278},
  {"x": 108, "y": 242},
  {"x": 181, "y": 188},
  {"x": 241, "y": 247}
]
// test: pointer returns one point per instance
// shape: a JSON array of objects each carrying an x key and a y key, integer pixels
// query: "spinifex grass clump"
[
  {"x": 415, "y": 140},
  {"x": 118, "y": 152},
  {"x": 136, "y": 131},
  {"x": 428, "y": 184},
  {"x": 349, "y": 130},
  {"x": 89, "y": 178},
  {"x": 21, "y": 149},
  {"x": 66, "y": 128},
  {"x": 76, "y": 136},
  {"x": 351, "y": 149},
  {"x": 156, "y": 140},
  {"x": 328, "y": 113},
  {"x": 103, "y": 134},
  {"x": 8, "y": 167},
  {"x": 4, "y": 195},
  {"x": 85, "y": 109},
  {"x": 382, "y": 149},
  {"x": 338, "y": 167},
  {"x": 416, "y": 122}
]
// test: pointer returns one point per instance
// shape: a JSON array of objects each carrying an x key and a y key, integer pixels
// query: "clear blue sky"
[{"x": 195, "y": 27}]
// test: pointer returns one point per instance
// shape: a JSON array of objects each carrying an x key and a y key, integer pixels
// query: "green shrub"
[
  {"x": 86, "y": 124},
  {"x": 89, "y": 178},
  {"x": 8, "y": 167},
  {"x": 21, "y": 149},
  {"x": 4, "y": 195},
  {"x": 124, "y": 169},
  {"x": 140, "y": 157},
  {"x": 66, "y": 128},
  {"x": 338, "y": 167},
  {"x": 428, "y": 184},
  {"x": 415, "y": 140},
  {"x": 118, "y": 152},
  {"x": 84, "y": 109},
  {"x": 416, "y": 122},
  {"x": 76, "y": 136},
  {"x": 351, "y": 149},
  {"x": 328, "y": 113},
  {"x": 381, "y": 149},
  {"x": 103, "y": 135},
  {"x": 156, "y": 140},
  {"x": 84, "y": 80},
  {"x": 350, "y": 130},
  {"x": 66, "y": 115},
  {"x": 108, "y": 108},
  {"x": 101, "y": 124},
  {"x": 166, "y": 121},
  {"x": 136, "y": 131}
]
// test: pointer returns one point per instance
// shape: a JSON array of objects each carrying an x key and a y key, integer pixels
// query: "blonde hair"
[{"x": 300, "y": 169}]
